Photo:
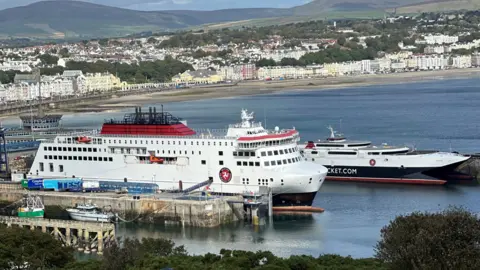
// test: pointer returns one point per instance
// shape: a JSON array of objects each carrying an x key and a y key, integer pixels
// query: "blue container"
[
  {"x": 35, "y": 183},
  {"x": 66, "y": 184},
  {"x": 132, "y": 187}
]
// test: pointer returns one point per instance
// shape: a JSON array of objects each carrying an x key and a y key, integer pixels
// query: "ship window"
[
  {"x": 245, "y": 163},
  {"x": 240, "y": 154},
  {"x": 110, "y": 159},
  {"x": 275, "y": 153},
  {"x": 84, "y": 149},
  {"x": 60, "y": 168},
  {"x": 313, "y": 159},
  {"x": 79, "y": 149},
  {"x": 169, "y": 151},
  {"x": 269, "y": 153},
  {"x": 220, "y": 162},
  {"x": 89, "y": 149},
  {"x": 64, "y": 148},
  {"x": 69, "y": 149},
  {"x": 74, "y": 149},
  {"x": 250, "y": 163},
  {"x": 289, "y": 160},
  {"x": 281, "y": 151},
  {"x": 208, "y": 143},
  {"x": 342, "y": 153},
  {"x": 69, "y": 157},
  {"x": 373, "y": 153},
  {"x": 197, "y": 143},
  {"x": 239, "y": 163},
  {"x": 44, "y": 148},
  {"x": 252, "y": 154},
  {"x": 104, "y": 159},
  {"x": 49, "y": 148},
  {"x": 41, "y": 166},
  {"x": 174, "y": 151},
  {"x": 74, "y": 157},
  {"x": 263, "y": 154},
  {"x": 272, "y": 162},
  {"x": 204, "y": 162},
  {"x": 54, "y": 148},
  {"x": 54, "y": 157},
  {"x": 266, "y": 163},
  {"x": 172, "y": 142},
  {"x": 220, "y": 153},
  {"x": 60, "y": 157},
  {"x": 193, "y": 152},
  {"x": 314, "y": 152},
  {"x": 45, "y": 157},
  {"x": 191, "y": 143},
  {"x": 284, "y": 161},
  {"x": 279, "y": 162},
  {"x": 95, "y": 149},
  {"x": 199, "y": 152},
  {"x": 51, "y": 166},
  {"x": 90, "y": 159},
  {"x": 257, "y": 164},
  {"x": 235, "y": 154}
]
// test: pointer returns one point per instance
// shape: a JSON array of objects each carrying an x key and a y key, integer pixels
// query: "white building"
[
  {"x": 461, "y": 61},
  {"x": 426, "y": 62},
  {"x": 439, "y": 39}
]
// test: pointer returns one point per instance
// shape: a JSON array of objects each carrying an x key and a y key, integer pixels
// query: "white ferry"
[
  {"x": 360, "y": 161},
  {"x": 156, "y": 147}
]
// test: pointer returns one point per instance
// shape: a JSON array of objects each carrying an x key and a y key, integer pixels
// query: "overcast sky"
[{"x": 175, "y": 4}]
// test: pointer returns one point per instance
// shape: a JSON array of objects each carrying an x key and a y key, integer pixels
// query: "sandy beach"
[{"x": 267, "y": 87}]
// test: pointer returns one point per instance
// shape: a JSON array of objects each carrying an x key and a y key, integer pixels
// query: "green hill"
[{"x": 74, "y": 19}]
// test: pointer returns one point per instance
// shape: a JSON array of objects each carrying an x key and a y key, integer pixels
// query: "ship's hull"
[
  {"x": 90, "y": 217},
  {"x": 293, "y": 199},
  {"x": 396, "y": 175}
]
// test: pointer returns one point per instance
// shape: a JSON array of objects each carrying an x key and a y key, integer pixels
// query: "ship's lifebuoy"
[{"x": 372, "y": 162}]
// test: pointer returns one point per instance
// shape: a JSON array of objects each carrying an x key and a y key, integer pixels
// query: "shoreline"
[{"x": 252, "y": 88}]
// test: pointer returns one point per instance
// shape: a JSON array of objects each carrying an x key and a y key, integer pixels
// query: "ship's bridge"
[{"x": 251, "y": 135}]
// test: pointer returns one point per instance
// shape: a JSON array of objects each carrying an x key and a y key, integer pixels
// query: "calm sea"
[{"x": 441, "y": 115}]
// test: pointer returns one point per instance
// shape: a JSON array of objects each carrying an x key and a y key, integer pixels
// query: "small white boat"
[{"x": 89, "y": 212}]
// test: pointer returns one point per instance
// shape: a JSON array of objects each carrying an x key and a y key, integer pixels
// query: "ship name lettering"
[{"x": 342, "y": 171}]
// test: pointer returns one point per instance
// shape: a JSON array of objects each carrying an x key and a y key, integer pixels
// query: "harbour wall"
[{"x": 154, "y": 209}]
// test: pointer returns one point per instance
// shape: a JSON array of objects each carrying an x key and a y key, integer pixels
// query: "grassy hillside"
[
  {"x": 73, "y": 19},
  {"x": 439, "y": 6}
]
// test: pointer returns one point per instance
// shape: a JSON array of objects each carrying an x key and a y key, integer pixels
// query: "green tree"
[
  {"x": 444, "y": 240},
  {"x": 291, "y": 62},
  {"x": 48, "y": 59},
  {"x": 64, "y": 52},
  {"x": 20, "y": 247},
  {"x": 266, "y": 63}
]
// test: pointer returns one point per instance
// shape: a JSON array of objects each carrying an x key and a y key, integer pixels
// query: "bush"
[{"x": 445, "y": 240}]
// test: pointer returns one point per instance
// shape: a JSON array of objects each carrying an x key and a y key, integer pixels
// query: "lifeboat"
[
  {"x": 84, "y": 139},
  {"x": 154, "y": 159}
]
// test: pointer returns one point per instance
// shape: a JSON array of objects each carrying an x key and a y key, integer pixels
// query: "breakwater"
[{"x": 157, "y": 209}]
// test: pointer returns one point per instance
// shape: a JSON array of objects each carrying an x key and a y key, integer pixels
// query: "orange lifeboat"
[
  {"x": 154, "y": 159},
  {"x": 84, "y": 139}
]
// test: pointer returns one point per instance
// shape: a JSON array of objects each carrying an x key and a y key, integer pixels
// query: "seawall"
[{"x": 158, "y": 209}]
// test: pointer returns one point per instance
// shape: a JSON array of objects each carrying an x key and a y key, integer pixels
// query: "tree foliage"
[
  {"x": 25, "y": 249},
  {"x": 156, "y": 71},
  {"x": 48, "y": 59},
  {"x": 266, "y": 62},
  {"x": 445, "y": 240},
  {"x": 8, "y": 76}
]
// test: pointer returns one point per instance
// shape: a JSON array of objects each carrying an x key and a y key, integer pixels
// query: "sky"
[{"x": 176, "y": 4}]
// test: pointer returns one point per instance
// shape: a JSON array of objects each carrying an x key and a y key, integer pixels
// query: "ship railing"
[
  {"x": 252, "y": 125},
  {"x": 216, "y": 134}
]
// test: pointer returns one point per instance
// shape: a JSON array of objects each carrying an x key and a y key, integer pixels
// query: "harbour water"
[{"x": 441, "y": 115}]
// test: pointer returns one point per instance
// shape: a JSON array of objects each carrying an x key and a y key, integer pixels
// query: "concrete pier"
[
  {"x": 158, "y": 209},
  {"x": 99, "y": 235}
]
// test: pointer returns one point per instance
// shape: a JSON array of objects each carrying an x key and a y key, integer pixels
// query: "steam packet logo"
[{"x": 225, "y": 175}]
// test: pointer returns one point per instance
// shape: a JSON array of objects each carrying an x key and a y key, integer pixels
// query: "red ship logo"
[{"x": 225, "y": 175}]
